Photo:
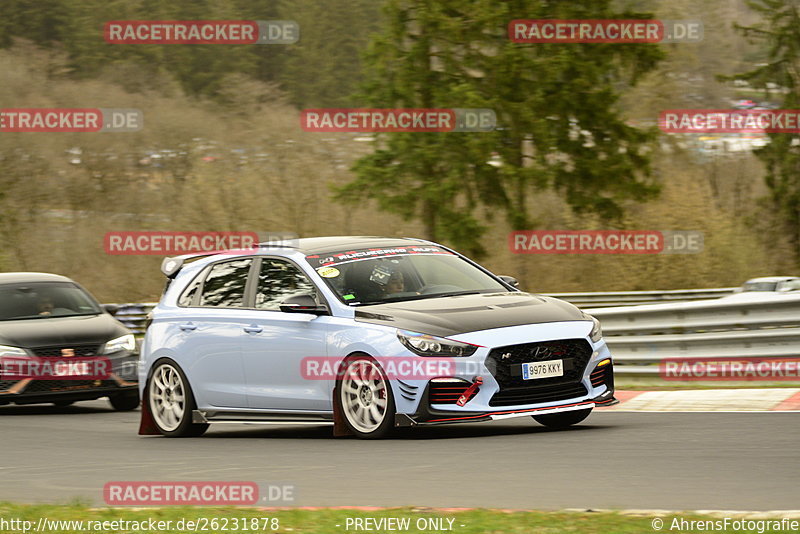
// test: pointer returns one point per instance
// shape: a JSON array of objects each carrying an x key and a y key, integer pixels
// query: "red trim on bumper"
[{"x": 489, "y": 414}]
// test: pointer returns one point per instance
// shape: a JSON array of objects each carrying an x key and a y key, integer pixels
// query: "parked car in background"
[
  {"x": 771, "y": 283},
  {"x": 59, "y": 346}
]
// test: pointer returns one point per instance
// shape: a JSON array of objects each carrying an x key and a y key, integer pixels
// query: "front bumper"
[
  {"x": 427, "y": 415},
  {"x": 122, "y": 379},
  {"x": 586, "y": 381}
]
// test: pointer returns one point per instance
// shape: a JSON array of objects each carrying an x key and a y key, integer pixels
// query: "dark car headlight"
[
  {"x": 11, "y": 351},
  {"x": 126, "y": 342},
  {"x": 427, "y": 345},
  {"x": 597, "y": 333}
]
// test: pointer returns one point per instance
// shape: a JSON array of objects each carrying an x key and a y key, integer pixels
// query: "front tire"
[
  {"x": 124, "y": 402},
  {"x": 171, "y": 402},
  {"x": 365, "y": 397},
  {"x": 562, "y": 419}
]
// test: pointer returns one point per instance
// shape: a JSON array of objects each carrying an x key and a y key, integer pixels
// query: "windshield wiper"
[
  {"x": 458, "y": 293},
  {"x": 27, "y": 317},
  {"x": 427, "y": 296}
]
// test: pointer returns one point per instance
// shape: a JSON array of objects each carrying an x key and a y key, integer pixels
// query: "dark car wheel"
[
  {"x": 365, "y": 397},
  {"x": 562, "y": 419},
  {"x": 124, "y": 402},
  {"x": 171, "y": 401}
]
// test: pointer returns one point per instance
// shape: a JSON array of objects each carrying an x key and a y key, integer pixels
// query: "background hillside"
[{"x": 222, "y": 148}]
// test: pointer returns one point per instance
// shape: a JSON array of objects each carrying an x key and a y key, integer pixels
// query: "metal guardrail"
[
  {"x": 763, "y": 326},
  {"x": 751, "y": 326},
  {"x": 133, "y": 315},
  {"x": 631, "y": 298}
]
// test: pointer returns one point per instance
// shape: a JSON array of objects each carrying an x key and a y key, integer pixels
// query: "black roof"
[
  {"x": 325, "y": 245},
  {"x": 16, "y": 278}
]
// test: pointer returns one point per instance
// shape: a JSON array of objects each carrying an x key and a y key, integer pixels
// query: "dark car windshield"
[
  {"x": 43, "y": 300},
  {"x": 374, "y": 276}
]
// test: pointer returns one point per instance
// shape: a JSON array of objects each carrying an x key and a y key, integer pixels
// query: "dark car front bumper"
[{"x": 122, "y": 379}]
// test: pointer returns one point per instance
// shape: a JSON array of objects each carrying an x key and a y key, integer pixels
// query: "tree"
[
  {"x": 555, "y": 103},
  {"x": 323, "y": 69},
  {"x": 780, "y": 32}
]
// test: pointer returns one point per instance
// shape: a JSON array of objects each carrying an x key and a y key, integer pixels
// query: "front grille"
[
  {"x": 603, "y": 375},
  {"x": 49, "y": 386},
  {"x": 505, "y": 364},
  {"x": 55, "y": 352},
  {"x": 447, "y": 392},
  {"x": 537, "y": 395},
  {"x": 5, "y": 384}
]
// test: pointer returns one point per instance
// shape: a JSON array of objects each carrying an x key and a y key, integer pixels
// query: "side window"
[
  {"x": 224, "y": 286},
  {"x": 187, "y": 297},
  {"x": 278, "y": 280}
]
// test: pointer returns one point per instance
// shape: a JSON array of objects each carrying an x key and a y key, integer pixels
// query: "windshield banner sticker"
[{"x": 323, "y": 260}]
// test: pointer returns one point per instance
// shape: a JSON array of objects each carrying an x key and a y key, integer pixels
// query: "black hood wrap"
[{"x": 448, "y": 316}]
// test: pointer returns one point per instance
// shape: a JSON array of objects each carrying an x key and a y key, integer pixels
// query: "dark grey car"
[{"x": 59, "y": 346}]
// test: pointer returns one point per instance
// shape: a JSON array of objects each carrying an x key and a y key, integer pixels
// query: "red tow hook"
[{"x": 477, "y": 382}]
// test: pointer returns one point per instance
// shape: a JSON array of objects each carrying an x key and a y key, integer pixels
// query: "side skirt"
[{"x": 262, "y": 418}]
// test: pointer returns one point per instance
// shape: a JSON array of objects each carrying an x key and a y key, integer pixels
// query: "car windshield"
[
  {"x": 760, "y": 286},
  {"x": 44, "y": 300},
  {"x": 374, "y": 276}
]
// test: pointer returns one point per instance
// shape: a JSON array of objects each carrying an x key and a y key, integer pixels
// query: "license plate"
[{"x": 548, "y": 369}]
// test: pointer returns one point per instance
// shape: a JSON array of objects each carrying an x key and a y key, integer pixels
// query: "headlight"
[
  {"x": 426, "y": 345},
  {"x": 11, "y": 351},
  {"x": 597, "y": 333},
  {"x": 127, "y": 342}
]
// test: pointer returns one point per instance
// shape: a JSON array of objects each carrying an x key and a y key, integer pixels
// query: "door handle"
[
  {"x": 188, "y": 327},
  {"x": 253, "y": 329}
]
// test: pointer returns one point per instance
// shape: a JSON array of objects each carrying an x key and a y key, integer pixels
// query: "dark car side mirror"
[
  {"x": 510, "y": 280},
  {"x": 110, "y": 309},
  {"x": 303, "y": 304}
]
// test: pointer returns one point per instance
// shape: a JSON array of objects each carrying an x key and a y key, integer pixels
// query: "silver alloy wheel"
[
  {"x": 364, "y": 395},
  {"x": 167, "y": 397}
]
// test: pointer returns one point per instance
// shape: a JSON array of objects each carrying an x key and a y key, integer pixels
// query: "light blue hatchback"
[{"x": 364, "y": 334}]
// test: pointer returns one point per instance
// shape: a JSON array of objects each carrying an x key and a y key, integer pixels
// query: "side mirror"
[
  {"x": 110, "y": 309},
  {"x": 510, "y": 280},
  {"x": 303, "y": 304}
]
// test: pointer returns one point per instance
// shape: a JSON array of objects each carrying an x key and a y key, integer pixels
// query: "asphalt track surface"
[{"x": 673, "y": 461}]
